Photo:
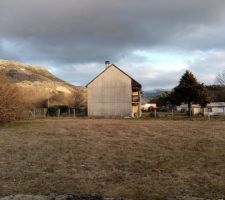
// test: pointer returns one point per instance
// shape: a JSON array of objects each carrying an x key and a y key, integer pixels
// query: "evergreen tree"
[{"x": 189, "y": 91}]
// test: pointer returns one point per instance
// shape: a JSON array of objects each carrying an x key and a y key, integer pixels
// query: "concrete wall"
[{"x": 110, "y": 94}]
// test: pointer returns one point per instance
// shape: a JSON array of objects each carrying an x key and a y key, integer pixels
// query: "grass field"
[{"x": 136, "y": 159}]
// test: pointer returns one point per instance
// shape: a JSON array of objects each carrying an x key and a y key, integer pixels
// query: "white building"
[
  {"x": 147, "y": 106},
  {"x": 214, "y": 108}
]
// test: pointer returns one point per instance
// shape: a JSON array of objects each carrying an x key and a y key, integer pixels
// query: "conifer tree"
[{"x": 189, "y": 91}]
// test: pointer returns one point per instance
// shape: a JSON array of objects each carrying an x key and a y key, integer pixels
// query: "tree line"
[{"x": 190, "y": 91}]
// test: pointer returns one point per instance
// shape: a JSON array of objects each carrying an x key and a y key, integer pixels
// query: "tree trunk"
[{"x": 189, "y": 108}]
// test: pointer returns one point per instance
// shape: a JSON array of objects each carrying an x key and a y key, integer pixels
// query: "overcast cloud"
[{"x": 153, "y": 40}]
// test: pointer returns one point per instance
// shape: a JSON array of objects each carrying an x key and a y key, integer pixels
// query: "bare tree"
[
  {"x": 11, "y": 104},
  {"x": 220, "y": 79},
  {"x": 78, "y": 99}
]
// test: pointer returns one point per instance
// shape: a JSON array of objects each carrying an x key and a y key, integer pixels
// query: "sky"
[{"x": 154, "y": 41}]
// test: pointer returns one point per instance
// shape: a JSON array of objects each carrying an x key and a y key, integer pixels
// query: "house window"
[
  {"x": 210, "y": 109},
  {"x": 135, "y": 98}
]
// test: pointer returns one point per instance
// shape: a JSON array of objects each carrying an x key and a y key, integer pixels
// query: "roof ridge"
[{"x": 116, "y": 68}]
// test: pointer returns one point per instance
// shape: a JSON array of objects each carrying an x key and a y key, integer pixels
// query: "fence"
[
  {"x": 54, "y": 112},
  {"x": 35, "y": 113},
  {"x": 155, "y": 114},
  {"x": 82, "y": 112}
]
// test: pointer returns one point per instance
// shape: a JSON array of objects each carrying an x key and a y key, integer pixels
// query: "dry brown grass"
[{"x": 136, "y": 159}]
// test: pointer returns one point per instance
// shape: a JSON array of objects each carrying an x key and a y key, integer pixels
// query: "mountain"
[
  {"x": 149, "y": 95},
  {"x": 37, "y": 84}
]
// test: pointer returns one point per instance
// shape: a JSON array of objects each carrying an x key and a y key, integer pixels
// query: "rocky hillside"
[{"x": 38, "y": 84}]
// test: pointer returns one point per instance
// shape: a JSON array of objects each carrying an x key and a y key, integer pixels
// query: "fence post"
[
  {"x": 45, "y": 112},
  {"x": 172, "y": 113},
  {"x": 58, "y": 112},
  {"x": 209, "y": 117},
  {"x": 34, "y": 113},
  {"x": 69, "y": 112},
  {"x": 155, "y": 112},
  {"x": 74, "y": 113}
]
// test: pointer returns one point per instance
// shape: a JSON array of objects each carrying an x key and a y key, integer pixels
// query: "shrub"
[
  {"x": 53, "y": 111},
  {"x": 152, "y": 114},
  {"x": 11, "y": 103}
]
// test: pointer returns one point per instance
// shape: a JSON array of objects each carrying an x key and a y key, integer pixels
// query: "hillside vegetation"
[
  {"x": 37, "y": 84},
  {"x": 11, "y": 101}
]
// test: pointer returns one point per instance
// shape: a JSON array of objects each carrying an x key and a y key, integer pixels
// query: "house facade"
[
  {"x": 113, "y": 93},
  {"x": 215, "y": 108}
]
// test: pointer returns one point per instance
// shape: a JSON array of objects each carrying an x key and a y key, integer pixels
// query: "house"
[
  {"x": 214, "y": 108},
  {"x": 113, "y": 93},
  {"x": 195, "y": 108},
  {"x": 148, "y": 106}
]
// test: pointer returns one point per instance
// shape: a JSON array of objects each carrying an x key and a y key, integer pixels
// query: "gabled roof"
[{"x": 134, "y": 82}]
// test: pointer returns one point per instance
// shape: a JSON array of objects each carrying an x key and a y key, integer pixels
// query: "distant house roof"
[
  {"x": 134, "y": 82},
  {"x": 216, "y": 104}
]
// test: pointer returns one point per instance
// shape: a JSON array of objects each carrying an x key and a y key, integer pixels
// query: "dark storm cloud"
[
  {"x": 86, "y": 31},
  {"x": 67, "y": 32}
]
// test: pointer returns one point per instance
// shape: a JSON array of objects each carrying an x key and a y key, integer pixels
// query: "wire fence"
[
  {"x": 175, "y": 115},
  {"x": 39, "y": 113}
]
